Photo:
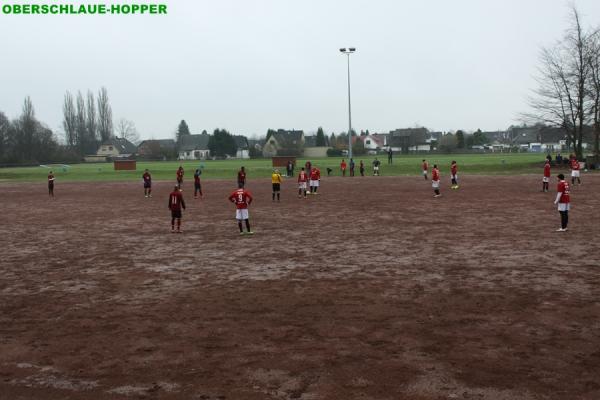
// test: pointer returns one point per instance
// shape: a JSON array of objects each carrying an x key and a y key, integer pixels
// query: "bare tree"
[
  {"x": 560, "y": 100},
  {"x": 105, "y": 124},
  {"x": 69, "y": 120},
  {"x": 594, "y": 87},
  {"x": 91, "y": 124},
  {"x": 4, "y": 132},
  {"x": 126, "y": 129},
  {"x": 80, "y": 127}
]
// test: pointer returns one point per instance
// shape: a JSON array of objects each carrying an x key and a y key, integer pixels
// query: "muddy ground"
[{"x": 371, "y": 290}]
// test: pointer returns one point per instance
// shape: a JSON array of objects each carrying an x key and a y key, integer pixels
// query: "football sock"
[
  {"x": 172, "y": 223},
  {"x": 273, "y": 196},
  {"x": 437, "y": 191},
  {"x": 277, "y": 196},
  {"x": 178, "y": 224},
  {"x": 247, "y": 225},
  {"x": 240, "y": 226}
]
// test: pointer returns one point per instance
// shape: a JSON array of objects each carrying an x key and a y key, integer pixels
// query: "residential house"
[
  {"x": 243, "y": 148},
  {"x": 157, "y": 149},
  {"x": 284, "y": 143},
  {"x": 373, "y": 143},
  {"x": 113, "y": 148},
  {"x": 194, "y": 147},
  {"x": 552, "y": 139},
  {"x": 409, "y": 140}
]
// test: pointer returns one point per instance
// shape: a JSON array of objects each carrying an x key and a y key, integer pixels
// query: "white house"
[{"x": 194, "y": 147}]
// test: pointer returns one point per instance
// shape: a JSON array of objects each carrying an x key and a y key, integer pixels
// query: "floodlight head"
[
  {"x": 343, "y": 50},
  {"x": 352, "y": 49}
]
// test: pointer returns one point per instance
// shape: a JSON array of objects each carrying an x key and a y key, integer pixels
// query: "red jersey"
[
  {"x": 302, "y": 177},
  {"x": 454, "y": 169},
  {"x": 147, "y": 178},
  {"x": 315, "y": 174},
  {"x": 343, "y": 165},
  {"x": 241, "y": 197},
  {"x": 564, "y": 189},
  {"x": 547, "y": 170},
  {"x": 50, "y": 179},
  {"x": 176, "y": 202},
  {"x": 575, "y": 165},
  {"x": 180, "y": 174},
  {"x": 425, "y": 166},
  {"x": 241, "y": 177},
  {"x": 435, "y": 174},
  {"x": 196, "y": 178}
]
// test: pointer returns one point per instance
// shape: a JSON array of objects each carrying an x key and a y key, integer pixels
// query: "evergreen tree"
[
  {"x": 182, "y": 130},
  {"x": 460, "y": 139},
  {"x": 320, "y": 138},
  {"x": 222, "y": 143}
]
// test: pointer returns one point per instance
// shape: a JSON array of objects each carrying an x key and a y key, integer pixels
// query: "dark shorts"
[
  {"x": 147, "y": 185},
  {"x": 276, "y": 187},
  {"x": 175, "y": 213},
  {"x": 197, "y": 186}
]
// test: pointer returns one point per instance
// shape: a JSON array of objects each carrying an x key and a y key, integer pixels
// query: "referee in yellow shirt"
[{"x": 276, "y": 181}]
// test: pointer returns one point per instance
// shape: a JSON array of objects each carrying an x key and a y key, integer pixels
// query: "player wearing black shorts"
[{"x": 276, "y": 181}]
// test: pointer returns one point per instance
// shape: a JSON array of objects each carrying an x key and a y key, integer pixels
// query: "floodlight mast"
[{"x": 347, "y": 52}]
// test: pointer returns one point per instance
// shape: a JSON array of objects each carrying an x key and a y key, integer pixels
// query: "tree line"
[{"x": 26, "y": 140}]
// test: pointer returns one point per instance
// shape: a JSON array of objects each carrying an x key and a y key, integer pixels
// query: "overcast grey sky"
[{"x": 250, "y": 65}]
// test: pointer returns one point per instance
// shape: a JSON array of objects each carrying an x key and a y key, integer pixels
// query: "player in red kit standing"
[
  {"x": 241, "y": 177},
  {"x": 563, "y": 199},
  {"x": 176, "y": 204},
  {"x": 242, "y": 199},
  {"x": 180, "y": 176},
  {"x": 302, "y": 181},
  {"x": 343, "y": 167},
  {"x": 50, "y": 184},
  {"x": 147, "y": 178},
  {"x": 454, "y": 174},
  {"x": 546, "y": 178},
  {"x": 435, "y": 180},
  {"x": 315, "y": 178},
  {"x": 575, "y": 170},
  {"x": 425, "y": 169}
]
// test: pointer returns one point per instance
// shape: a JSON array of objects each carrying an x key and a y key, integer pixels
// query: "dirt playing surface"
[{"x": 371, "y": 290}]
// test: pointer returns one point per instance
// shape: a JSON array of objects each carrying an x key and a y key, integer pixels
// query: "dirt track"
[{"x": 371, "y": 290}]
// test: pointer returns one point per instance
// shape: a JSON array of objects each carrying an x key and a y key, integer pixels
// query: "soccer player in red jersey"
[
  {"x": 242, "y": 199},
  {"x": 241, "y": 177},
  {"x": 563, "y": 199},
  {"x": 435, "y": 180},
  {"x": 147, "y": 183},
  {"x": 343, "y": 167},
  {"x": 425, "y": 169},
  {"x": 197, "y": 186},
  {"x": 575, "y": 167},
  {"x": 50, "y": 184},
  {"x": 546, "y": 178},
  {"x": 180, "y": 176},
  {"x": 315, "y": 178},
  {"x": 361, "y": 168},
  {"x": 454, "y": 174},
  {"x": 176, "y": 204},
  {"x": 302, "y": 180}
]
